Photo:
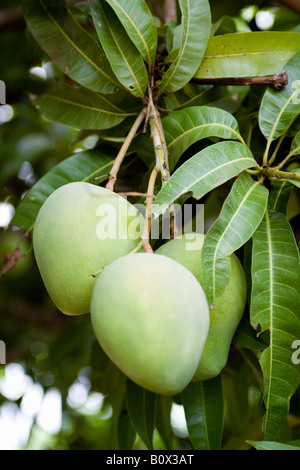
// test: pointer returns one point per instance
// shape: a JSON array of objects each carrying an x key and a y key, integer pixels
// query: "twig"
[
  {"x": 148, "y": 217},
  {"x": 170, "y": 11},
  {"x": 158, "y": 148},
  {"x": 122, "y": 152},
  {"x": 274, "y": 155},
  {"x": 293, "y": 4},
  {"x": 285, "y": 175},
  {"x": 136, "y": 194},
  {"x": 275, "y": 81},
  {"x": 294, "y": 152}
]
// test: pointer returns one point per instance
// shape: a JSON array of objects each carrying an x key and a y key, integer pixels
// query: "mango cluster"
[{"x": 149, "y": 311}]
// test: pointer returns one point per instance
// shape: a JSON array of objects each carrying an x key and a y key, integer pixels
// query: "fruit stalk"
[
  {"x": 122, "y": 152},
  {"x": 162, "y": 162},
  {"x": 150, "y": 195}
]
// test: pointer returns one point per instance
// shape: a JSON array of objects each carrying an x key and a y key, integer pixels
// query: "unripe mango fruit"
[
  {"x": 151, "y": 318},
  {"x": 80, "y": 229},
  {"x": 229, "y": 306}
]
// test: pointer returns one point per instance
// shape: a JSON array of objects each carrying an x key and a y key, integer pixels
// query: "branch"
[
  {"x": 293, "y": 4},
  {"x": 12, "y": 19},
  {"x": 285, "y": 175},
  {"x": 275, "y": 81},
  {"x": 170, "y": 11}
]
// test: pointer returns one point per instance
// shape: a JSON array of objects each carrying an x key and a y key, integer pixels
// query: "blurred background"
[{"x": 52, "y": 394}]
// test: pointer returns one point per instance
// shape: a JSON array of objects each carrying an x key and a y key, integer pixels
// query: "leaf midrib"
[
  {"x": 245, "y": 54},
  {"x": 271, "y": 310},
  {"x": 136, "y": 29},
  {"x": 184, "y": 134},
  {"x": 217, "y": 169},
  {"x": 124, "y": 57},
  {"x": 85, "y": 106},
  {"x": 281, "y": 113},
  {"x": 182, "y": 48}
]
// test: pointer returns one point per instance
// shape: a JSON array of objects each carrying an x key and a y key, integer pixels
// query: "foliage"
[{"x": 121, "y": 82}]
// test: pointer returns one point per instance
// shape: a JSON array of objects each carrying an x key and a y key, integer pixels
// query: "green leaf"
[
  {"x": 84, "y": 166},
  {"x": 187, "y": 126},
  {"x": 203, "y": 172},
  {"x": 295, "y": 145},
  {"x": 126, "y": 432},
  {"x": 124, "y": 58},
  {"x": 141, "y": 408},
  {"x": 78, "y": 107},
  {"x": 195, "y": 31},
  {"x": 163, "y": 419},
  {"x": 279, "y": 196},
  {"x": 279, "y": 108},
  {"x": 240, "y": 216},
  {"x": 117, "y": 401},
  {"x": 275, "y": 306},
  {"x": 251, "y": 54},
  {"x": 264, "y": 445},
  {"x": 69, "y": 46},
  {"x": 228, "y": 24},
  {"x": 203, "y": 407},
  {"x": 246, "y": 337},
  {"x": 139, "y": 24}
]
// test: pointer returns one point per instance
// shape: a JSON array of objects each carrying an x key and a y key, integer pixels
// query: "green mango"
[
  {"x": 229, "y": 307},
  {"x": 80, "y": 229},
  {"x": 151, "y": 318}
]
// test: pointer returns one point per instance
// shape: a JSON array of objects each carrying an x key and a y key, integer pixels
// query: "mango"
[
  {"x": 79, "y": 229},
  {"x": 229, "y": 307},
  {"x": 151, "y": 318}
]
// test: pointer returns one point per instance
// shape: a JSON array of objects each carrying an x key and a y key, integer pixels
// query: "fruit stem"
[
  {"x": 122, "y": 152},
  {"x": 162, "y": 160},
  {"x": 148, "y": 214}
]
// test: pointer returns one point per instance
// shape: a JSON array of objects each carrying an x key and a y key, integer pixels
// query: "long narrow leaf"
[
  {"x": 275, "y": 306},
  {"x": 279, "y": 196},
  {"x": 124, "y": 58},
  {"x": 240, "y": 216},
  {"x": 141, "y": 408},
  {"x": 263, "y": 445},
  {"x": 70, "y": 47},
  {"x": 295, "y": 145},
  {"x": 205, "y": 171},
  {"x": 183, "y": 128},
  {"x": 79, "y": 107},
  {"x": 251, "y": 54},
  {"x": 163, "y": 419},
  {"x": 195, "y": 31},
  {"x": 139, "y": 23},
  {"x": 278, "y": 109},
  {"x": 203, "y": 407}
]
